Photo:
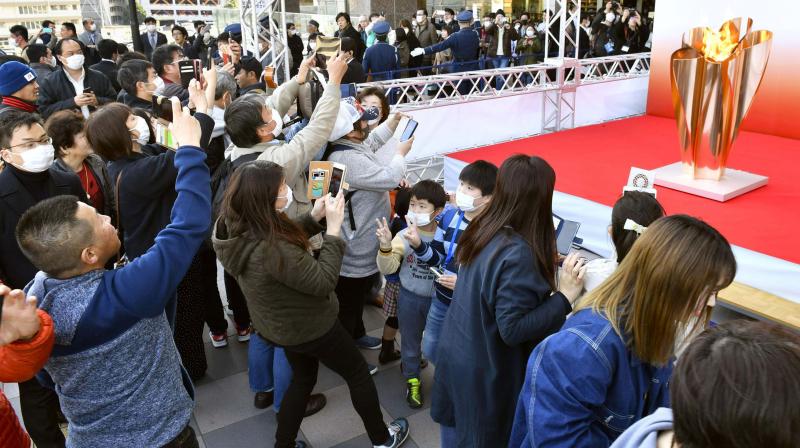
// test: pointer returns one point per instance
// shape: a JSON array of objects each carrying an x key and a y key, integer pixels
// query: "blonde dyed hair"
[{"x": 677, "y": 263}]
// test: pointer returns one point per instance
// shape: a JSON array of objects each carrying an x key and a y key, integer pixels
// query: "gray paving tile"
[
  {"x": 337, "y": 422},
  {"x": 224, "y": 362},
  {"x": 391, "y": 386},
  {"x": 363, "y": 441},
  {"x": 424, "y": 431},
  {"x": 373, "y": 318},
  {"x": 256, "y": 431},
  {"x": 224, "y": 402}
]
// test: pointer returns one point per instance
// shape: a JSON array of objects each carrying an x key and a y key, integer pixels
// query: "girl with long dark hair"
[
  {"x": 290, "y": 293},
  {"x": 505, "y": 302}
]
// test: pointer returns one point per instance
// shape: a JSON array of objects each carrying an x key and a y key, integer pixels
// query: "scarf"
[{"x": 19, "y": 104}]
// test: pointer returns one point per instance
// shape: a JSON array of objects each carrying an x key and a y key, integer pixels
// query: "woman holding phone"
[
  {"x": 506, "y": 301},
  {"x": 143, "y": 175},
  {"x": 290, "y": 293}
]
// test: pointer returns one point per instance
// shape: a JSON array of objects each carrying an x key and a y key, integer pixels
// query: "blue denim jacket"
[{"x": 584, "y": 387}]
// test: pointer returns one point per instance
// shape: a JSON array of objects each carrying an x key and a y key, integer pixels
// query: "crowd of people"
[{"x": 116, "y": 204}]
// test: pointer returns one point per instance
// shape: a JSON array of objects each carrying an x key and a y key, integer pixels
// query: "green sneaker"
[{"x": 414, "y": 393}]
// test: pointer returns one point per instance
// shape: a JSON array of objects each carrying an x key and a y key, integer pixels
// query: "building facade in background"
[{"x": 31, "y": 13}]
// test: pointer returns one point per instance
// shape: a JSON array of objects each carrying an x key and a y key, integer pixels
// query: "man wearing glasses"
[
  {"x": 73, "y": 86},
  {"x": 165, "y": 62},
  {"x": 25, "y": 180}
]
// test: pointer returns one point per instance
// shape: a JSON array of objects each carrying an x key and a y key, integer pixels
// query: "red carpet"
[{"x": 593, "y": 163}]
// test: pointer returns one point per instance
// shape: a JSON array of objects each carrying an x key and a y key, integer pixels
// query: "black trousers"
[
  {"x": 40, "y": 414},
  {"x": 353, "y": 293},
  {"x": 236, "y": 301},
  {"x": 337, "y": 351}
]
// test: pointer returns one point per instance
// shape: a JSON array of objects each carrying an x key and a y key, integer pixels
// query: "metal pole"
[{"x": 137, "y": 43}]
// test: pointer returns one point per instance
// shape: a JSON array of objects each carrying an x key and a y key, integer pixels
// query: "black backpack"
[{"x": 222, "y": 175}]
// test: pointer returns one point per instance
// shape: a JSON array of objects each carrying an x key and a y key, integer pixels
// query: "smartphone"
[
  {"x": 88, "y": 90},
  {"x": 408, "y": 132},
  {"x": 190, "y": 70},
  {"x": 164, "y": 136},
  {"x": 226, "y": 58},
  {"x": 162, "y": 108},
  {"x": 436, "y": 271},
  {"x": 348, "y": 90},
  {"x": 337, "y": 178},
  {"x": 566, "y": 235},
  {"x": 318, "y": 183}
]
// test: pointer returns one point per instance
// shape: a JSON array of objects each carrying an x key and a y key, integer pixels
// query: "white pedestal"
[{"x": 734, "y": 183}]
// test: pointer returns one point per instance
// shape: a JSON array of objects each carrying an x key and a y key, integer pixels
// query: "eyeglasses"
[{"x": 30, "y": 145}]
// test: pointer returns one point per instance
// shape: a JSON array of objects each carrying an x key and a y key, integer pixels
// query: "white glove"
[{"x": 417, "y": 52}]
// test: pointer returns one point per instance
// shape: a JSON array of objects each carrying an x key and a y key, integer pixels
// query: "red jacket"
[{"x": 20, "y": 361}]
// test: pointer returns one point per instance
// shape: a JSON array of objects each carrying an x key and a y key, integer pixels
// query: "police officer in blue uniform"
[
  {"x": 464, "y": 44},
  {"x": 380, "y": 60}
]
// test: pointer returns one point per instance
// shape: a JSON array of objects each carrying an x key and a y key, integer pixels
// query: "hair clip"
[{"x": 633, "y": 225}]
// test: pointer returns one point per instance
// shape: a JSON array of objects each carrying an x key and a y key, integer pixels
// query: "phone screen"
[
  {"x": 566, "y": 236},
  {"x": 408, "y": 132},
  {"x": 336, "y": 181}
]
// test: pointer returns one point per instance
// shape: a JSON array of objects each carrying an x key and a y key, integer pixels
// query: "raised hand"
[
  {"x": 19, "y": 318},
  {"x": 337, "y": 67},
  {"x": 305, "y": 66},
  {"x": 197, "y": 96},
  {"x": 318, "y": 212},
  {"x": 210, "y": 78},
  {"x": 412, "y": 234},
  {"x": 403, "y": 148},
  {"x": 570, "y": 278},
  {"x": 185, "y": 128},
  {"x": 334, "y": 212},
  {"x": 384, "y": 234}
]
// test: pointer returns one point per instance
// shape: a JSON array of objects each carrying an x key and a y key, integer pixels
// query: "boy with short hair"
[
  {"x": 476, "y": 184},
  {"x": 428, "y": 199}
]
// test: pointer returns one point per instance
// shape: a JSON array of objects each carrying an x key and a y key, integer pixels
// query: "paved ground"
[{"x": 224, "y": 416}]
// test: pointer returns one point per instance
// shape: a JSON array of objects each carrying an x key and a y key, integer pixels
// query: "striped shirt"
[{"x": 442, "y": 250}]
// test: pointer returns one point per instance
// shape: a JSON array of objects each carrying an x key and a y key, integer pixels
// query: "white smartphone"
[
  {"x": 436, "y": 271},
  {"x": 337, "y": 178}
]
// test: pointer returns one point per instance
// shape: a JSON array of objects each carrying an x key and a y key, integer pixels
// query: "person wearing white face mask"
[
  {"x": 74, "y": 87},
  {"x": 27, "y": 179},
  {"x": 41, "y": 59},
  {"x": 74, "y": 155},
  {"x": 91, "y": 35},
  {"x": 138, "y": 81},
  {"x": 295, "y": 44},
  {"x": 426, "y": 34},
  {"x": 151, "y": 38},
  {"x": 428, "y": 199},
  {"x": 476, "y": 185}
]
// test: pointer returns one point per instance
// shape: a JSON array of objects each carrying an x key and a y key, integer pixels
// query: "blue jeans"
[
  {"x": 501, "y": 62},
  {"x": 448, "y": 435},
  {"x": 268, "y": 368},
  {"x": 433, "y": 328},
  {"x": 412, "y": 313}
]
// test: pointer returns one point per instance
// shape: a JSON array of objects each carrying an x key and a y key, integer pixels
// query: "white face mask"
[
  {"x": 312, "y": 46},
  {"x": 92, "y": 27},
  {"x": 487, "y": 24},
  {"x": 292, "y": 32},
  {"x": 151, "y": 28},
  {"x": 374, "y": 122},
  {"x": 12, "y": 42},
  {"x": 37, "y": 159},
  {"x": 53, "y": 61},
  {"x": 75, "y": 62},
  {"x": 610, "y": 17},
  {"x": 159, "y": 85},
  {"x": 278, "y": 123},
  {"x": 422, "y": 219},
  {"x": 529, "y": 32},
  {"x": 466, "y": 202},
  {"x": 289, "y": 198},
  {"x": 142, "y": 129}
]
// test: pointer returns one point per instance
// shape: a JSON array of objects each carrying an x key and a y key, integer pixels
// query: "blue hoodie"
[{"x": 115, "y": 366}]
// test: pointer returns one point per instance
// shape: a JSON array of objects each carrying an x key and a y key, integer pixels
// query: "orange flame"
[{"x": 718, "y": 46}]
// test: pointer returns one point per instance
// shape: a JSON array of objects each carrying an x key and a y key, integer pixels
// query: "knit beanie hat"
[{"x": 14, "y": 76}]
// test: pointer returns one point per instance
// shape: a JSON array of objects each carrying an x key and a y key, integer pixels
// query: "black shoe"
[
  {"x": 315, "y": 404},
  {"x": 263, "y": 400},
  {"x": 388, "y": 353}
]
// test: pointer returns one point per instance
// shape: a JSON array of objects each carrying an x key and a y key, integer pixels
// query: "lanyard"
[{"x": 452, "y": 247}]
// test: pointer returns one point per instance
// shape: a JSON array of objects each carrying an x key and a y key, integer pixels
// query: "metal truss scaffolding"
[
  {"x": 562, "y": 32},
  {"x": 265, "y": 21}
]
